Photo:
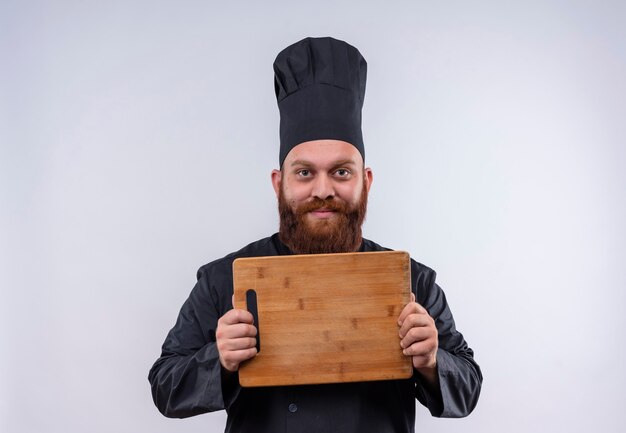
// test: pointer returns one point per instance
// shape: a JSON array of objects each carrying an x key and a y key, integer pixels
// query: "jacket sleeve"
[
  {"x": 186, "y": 380},
  {"x": 460, "y": 378}
]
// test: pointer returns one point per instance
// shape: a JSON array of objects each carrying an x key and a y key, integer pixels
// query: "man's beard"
[{"x": 338, "y": 234}]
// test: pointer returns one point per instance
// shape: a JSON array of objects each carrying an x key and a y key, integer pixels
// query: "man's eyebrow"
[
  {"x": 305, "y": 163},
  {"x": 345, "y": 162},
  {"x": 300, "y": 162}
]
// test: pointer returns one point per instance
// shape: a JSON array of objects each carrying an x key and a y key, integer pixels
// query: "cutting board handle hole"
[{"x": 251, "y": 303}]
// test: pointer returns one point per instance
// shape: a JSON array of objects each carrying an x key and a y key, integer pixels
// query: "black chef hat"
[{"x": 320, "y": 87}]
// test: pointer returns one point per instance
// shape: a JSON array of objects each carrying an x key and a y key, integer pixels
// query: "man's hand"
[
  {"x": 419, "y": 339},
  {"x": 236, "y": 338}
]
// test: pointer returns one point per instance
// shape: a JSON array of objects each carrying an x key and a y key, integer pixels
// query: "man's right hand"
[{"x": 236, "y": 338}]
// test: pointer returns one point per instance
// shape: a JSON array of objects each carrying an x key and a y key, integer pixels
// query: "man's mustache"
[{"x": 331, "y": 204}]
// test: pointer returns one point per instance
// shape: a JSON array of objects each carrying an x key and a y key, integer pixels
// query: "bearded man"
[{"x": 322, "y": 188}]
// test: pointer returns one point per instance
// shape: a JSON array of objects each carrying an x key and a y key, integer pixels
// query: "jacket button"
[{"x": 293, "y": 408}]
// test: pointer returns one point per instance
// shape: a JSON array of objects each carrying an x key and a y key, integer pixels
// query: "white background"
[{"x": 136, "y": 142}]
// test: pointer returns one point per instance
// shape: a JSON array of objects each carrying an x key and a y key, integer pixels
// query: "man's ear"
[
  {"x": 369, "y": 178},
  {"x": 277, "y": 177}
]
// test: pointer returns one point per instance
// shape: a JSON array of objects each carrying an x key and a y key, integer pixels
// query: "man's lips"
[{"x": 323, "y": 213}]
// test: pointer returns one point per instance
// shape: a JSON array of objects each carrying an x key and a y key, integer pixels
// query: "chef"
[{"x": 321, "y": 185}]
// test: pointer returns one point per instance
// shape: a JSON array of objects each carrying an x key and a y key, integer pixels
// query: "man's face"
[{"x": 322, "y": 194}]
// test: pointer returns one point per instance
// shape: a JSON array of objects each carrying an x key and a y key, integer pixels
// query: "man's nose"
[{"x": 323, "y": 187}]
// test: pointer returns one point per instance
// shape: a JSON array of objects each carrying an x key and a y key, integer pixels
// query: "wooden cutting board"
[{"x": 325, "y": 318}]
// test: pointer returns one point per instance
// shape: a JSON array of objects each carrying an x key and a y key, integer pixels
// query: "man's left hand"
[{"x": 419, "y": 338}]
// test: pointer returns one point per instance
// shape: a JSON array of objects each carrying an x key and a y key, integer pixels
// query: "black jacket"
[{"x": 186, "y": 380}]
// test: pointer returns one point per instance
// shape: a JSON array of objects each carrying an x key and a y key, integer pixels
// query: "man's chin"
[
  {"x": 314, "y": 220},
  {"x": 315, "y": 215},
  {"x": 321, "y": 226}
]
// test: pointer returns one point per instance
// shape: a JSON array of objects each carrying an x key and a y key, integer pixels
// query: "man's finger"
[
  {"x": 410, "y": 308},
  {"x": 237, "y": 330},
  {"x": 237, "y": 344},
  {"x": 418, "y": 322},
  {"x": 232, "y": 359},
  {"x": 236, "y": 316},
  {"x": 420, "y": 348},
  {"x": 414, "y": 334}
]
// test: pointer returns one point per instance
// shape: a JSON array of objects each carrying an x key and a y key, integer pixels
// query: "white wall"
[{"x": 136, "y": 142}]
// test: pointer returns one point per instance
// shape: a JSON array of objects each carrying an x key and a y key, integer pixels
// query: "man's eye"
[
  {"x": 304, "y": 173},
  {"x": 342, "y": 172}
]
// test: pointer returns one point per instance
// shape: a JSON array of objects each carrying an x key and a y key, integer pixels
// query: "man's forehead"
[{"x": 324, "y": 152}]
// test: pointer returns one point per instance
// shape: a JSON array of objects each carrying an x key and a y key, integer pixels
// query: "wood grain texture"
[{"x": 325, "y": 318}]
